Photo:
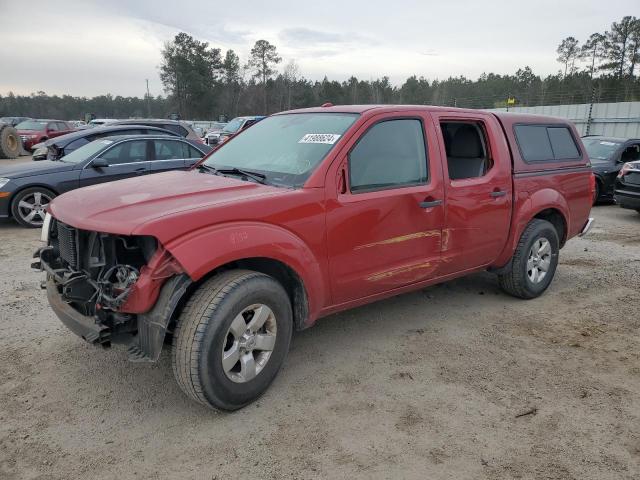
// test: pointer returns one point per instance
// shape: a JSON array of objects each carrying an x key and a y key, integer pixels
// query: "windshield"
[
  {"x": 86, "y": 151},
  {"x": 31, "y": 125},
  {"x": 233, "y": 126},
  {"x": 285, "y": 148},
  {"x": 600, "y": 150}
]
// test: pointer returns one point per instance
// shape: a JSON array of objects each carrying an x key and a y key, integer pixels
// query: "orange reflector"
[{"x": 4, "y": 194}]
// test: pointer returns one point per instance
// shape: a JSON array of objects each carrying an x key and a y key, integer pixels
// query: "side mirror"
[{"x": 99, "y": 163}]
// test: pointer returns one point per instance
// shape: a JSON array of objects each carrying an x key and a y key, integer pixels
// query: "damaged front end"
[{"x": 110, "y": 288}]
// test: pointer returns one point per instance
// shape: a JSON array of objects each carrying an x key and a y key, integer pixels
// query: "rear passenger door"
[
  {"x": 128, "y": 158},
  {"x": 167, "y": 155},
  {"x": 478, "y": 187}
]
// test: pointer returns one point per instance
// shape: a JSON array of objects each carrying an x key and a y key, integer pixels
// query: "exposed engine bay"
[
  {"x": 111, "y": 288},
  {"x": 95, "y": 271}
]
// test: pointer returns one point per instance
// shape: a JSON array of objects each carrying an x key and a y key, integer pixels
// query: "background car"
[
  {"x": 99, "y": 122},
  {"x": 212, "y": 135},
  {"x": 27, "y": 188},
  {"x": 78, "y": 124},
  {"x": 181, "y": 128},
  {"x": 607, "y": 155},
  {"x": 237, "y": 125},
  {"x": 35, "y": 131},
  {"x": 627, "y": 190},
  {"x": 13, "y": 121},
  {"x": 58, "y": 147}
]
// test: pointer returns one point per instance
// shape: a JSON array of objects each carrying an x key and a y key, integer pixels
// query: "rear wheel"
[
  {"x": 534, "y": 262},
  {"x": 232, "y": 337},
  {"x": 28, "y": 206}
]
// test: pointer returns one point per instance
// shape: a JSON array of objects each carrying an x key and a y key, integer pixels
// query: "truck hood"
[
  {"x": 125, "y": 206},
  {"x": 34, "y": 168}
]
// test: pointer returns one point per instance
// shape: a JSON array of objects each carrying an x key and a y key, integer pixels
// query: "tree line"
[{"x": 203, "y": 84}]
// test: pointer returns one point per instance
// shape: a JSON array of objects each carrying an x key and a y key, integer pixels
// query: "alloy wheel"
[
  {"x": 249, "y": 343},
  {"x": 539, "y": 260},
  {"x": 32, "y": 208}
]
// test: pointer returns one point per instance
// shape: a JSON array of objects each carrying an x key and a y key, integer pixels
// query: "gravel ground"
[{"x": 455, "y": 381}]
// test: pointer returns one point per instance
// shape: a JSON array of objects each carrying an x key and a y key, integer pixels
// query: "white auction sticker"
[
  {"x": 326, "y": 138},
  {"x": 610, "y": 144}
]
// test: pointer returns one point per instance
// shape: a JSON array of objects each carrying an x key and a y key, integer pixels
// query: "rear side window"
[
  {"x": 390, "y": 154},
  {"x": 191, "y": 152},
  {"x": 78, "y": 143},
  {"x": 176, "y": 129},
  {"x": 167, "y": 150},
  {"x": 543, "y": 143}
]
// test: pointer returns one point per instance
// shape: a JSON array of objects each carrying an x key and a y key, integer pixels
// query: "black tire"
[
  {"x": 10, "y": 142},
  {"x": 202, "y": 336},
  {"x": 30, "y": 195},
  {"x": 516, "y": 280}
]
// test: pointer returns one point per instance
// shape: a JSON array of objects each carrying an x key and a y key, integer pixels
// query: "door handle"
[
  {"x": 497, "y": 194},
  {"x": 141, "y": 170},
  {"x": 429, "y": 204}
]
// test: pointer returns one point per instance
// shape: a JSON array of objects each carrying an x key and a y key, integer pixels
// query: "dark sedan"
[
  {"x": 627, "y": 193},
  {"x": 58, "y": 147},
  {"x": 27, "y": 188},
  {"x": 607, "y": 155}
]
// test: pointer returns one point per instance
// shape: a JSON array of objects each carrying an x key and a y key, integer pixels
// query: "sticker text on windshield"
[{"x": 327, "y": 138}]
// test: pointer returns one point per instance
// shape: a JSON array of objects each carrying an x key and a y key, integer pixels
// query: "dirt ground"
[{"x": 434, "y": 384}]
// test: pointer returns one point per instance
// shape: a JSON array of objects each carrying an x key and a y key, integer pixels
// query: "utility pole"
[{"x": 148, "y": 100}]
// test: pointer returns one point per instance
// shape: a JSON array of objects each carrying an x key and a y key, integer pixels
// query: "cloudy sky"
[{"x": 88, "y": 47}]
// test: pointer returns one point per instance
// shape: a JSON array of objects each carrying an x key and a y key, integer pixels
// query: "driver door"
[{"x": 128, "y": 158}]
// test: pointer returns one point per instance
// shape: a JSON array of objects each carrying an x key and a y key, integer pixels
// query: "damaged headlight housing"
[{"x": 4, "y": 181}]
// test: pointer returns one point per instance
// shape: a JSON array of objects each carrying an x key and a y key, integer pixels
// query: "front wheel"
[
  {"x": 29, "y": 206},
  {"x": 232, "y": 337},
  {"x": 534, "y": 262}
]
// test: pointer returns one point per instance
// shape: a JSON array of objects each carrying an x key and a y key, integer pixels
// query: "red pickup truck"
[{"x": 308, "y": 213}]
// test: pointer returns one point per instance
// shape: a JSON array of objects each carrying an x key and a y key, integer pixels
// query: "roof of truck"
[{"x": 507, "y": 116}]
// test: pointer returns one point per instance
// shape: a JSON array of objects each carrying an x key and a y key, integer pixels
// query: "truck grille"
[{"x": 67, "y": 244}]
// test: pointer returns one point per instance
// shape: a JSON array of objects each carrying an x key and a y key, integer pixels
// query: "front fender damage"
[{"x": 152, "y": 325}]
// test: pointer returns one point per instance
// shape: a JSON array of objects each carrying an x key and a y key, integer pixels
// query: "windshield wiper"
[
  {"x": 208, "y": 168},
  {"x": 258, "y": 177}
]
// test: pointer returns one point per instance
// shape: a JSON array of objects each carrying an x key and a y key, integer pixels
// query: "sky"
[{"x": 87, "y": 48}]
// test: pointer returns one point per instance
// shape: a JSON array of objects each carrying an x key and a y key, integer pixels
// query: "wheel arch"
[
  {"x": 546, "y": 204},
  {"x": 263, "y": 248},
  {"x": 283, "y": 273}
]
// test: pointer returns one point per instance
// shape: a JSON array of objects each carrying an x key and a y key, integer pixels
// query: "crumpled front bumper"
[{"x": 85, "y": 327}]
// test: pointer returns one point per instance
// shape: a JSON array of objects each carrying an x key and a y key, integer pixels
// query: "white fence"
[{"x": 620, "y": 119}]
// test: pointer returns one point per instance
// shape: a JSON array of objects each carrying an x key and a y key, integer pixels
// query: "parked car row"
[{"x": 27, "y": 188}]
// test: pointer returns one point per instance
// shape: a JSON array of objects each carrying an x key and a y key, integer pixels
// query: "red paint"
[{"x": 348, "y": 249}]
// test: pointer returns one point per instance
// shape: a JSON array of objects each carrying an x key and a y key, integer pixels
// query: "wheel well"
[
  {"x": 556, "y": 218},
  {"x": 284, "y": 274}
]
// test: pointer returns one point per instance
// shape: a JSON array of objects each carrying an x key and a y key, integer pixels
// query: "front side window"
[
  {"x": 53, "y": 126},
  {"x": 544, "y": 143},
  {"x": 126, "y": 152},
  {"x": 285, "y": 148},
  {"x": 391, "y": 154}
]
